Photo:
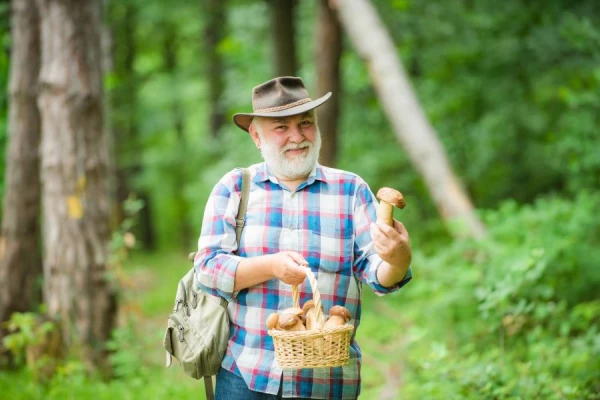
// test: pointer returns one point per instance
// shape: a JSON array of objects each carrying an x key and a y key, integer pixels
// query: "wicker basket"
[{"x": 316, "y": 348}]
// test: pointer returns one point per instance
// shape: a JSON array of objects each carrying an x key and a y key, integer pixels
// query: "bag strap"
[
  {"x": 239, "y": 226},
  {"x": 208, "y": 387},
  {"x": 240, "y": 218}
]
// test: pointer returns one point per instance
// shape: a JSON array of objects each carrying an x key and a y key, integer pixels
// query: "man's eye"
[
  {"x": 305, "y": 123},
  {"x": 280, "y": 127}
]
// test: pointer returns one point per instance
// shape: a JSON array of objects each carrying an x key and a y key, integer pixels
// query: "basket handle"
[{"x": 320, "y": 319}]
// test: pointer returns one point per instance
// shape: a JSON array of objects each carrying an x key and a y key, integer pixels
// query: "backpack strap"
[{"x": 240, "y": 218}]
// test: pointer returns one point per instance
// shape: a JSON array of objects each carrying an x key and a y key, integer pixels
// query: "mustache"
[{"x": 291, "y": 146}]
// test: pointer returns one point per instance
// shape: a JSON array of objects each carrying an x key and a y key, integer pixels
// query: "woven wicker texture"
[{"x": 316, "y": 348}]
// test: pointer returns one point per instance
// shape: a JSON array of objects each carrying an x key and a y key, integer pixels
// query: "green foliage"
[
  {"x": 25, "y": 331},
  {"x": 73, "y": 384},
  {"x": 35, "y": 343},
  {"x": 127, "y": 355},
  {"x": 136, "y": 355},
  {"x": 512, "y": 90},
  {"x": 514, "y": 316}
]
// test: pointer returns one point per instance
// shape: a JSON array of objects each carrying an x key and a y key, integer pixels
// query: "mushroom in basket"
[
  {"x": 289, "y": 320},
  {"x": 338, "y": 316},
  {"x": 311, "y": 315}
]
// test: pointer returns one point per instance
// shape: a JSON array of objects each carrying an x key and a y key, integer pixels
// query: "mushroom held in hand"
[
  {"x": 389, "y": 198},
  {"x": 311, "y": 315},
  {"x": 338, "y": 316}
]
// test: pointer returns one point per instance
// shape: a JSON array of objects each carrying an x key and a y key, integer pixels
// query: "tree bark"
[
  {"x": 372, "y": 41},
  {"x": 284, "y": 47},
  {"x": 75, "y": 178},
  {"x": 328, "y": 54},
  {"x": 20, "y": 259},
  {"x": 214, "y": 32}
]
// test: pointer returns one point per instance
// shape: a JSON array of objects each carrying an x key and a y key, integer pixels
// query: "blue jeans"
[{"x": 232, "y": 387}]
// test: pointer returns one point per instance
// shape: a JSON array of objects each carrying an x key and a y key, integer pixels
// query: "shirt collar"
[{"x": 263, "y": 174}]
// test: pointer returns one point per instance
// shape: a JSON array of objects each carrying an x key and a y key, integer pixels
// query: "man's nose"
[{"x": 295, "y": 135}]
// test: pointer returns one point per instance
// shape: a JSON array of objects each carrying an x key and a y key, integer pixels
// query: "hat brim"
[{"x": 243, "y": 120}]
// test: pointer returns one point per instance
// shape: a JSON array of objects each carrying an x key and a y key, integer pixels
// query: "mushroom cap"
[
  {"x": 341, "y": 312},
  {"x": 293, "y": 310},
  {"x": 272, "y": 320},
  {"x": 391, "y": 196},
  {"x": 308, "y": 305},
  {"x": 288, "y": 320}
]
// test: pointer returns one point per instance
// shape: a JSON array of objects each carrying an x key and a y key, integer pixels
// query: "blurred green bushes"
[{"x": 515, "y": 316}]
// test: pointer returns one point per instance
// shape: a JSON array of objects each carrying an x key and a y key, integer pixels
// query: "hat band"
[{"x": 284, "y": 107}]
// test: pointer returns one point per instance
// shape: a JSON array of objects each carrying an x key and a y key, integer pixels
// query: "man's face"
[{"x": 289, "y": 145}]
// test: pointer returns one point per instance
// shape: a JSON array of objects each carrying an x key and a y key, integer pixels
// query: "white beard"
[{"x": 291, "y": 168}]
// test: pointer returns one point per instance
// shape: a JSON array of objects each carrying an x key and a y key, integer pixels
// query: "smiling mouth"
[{"x": 296, "y": 151}]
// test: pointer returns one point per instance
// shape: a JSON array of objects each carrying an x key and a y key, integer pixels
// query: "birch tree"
[{"x": 372, "y": 41}]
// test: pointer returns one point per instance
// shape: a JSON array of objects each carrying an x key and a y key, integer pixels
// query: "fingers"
[
  {"x": 295, "y": 275},
  {"x": 297, "y": 258},
  {"x": 291, "y": 271},
  {"x": 399, "y": 227},
  {"x": 391, "y": 243},
  {"x": 380, "y": 230},
  {"x": 297, "y": 271}
]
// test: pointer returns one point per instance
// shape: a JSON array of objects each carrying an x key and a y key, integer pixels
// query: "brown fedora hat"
[{"x": 279, "y": 97}]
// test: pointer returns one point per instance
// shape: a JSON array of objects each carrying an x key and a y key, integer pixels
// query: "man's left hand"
[{"x": 392, "y": 244}]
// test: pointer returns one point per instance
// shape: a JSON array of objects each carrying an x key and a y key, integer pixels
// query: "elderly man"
[{"x": 299, "y": 213}]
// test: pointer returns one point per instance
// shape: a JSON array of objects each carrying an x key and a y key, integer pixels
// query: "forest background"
[{"x": 512, "y": 90}]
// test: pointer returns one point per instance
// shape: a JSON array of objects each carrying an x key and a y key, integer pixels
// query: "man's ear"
[{"x": 254, "y": 135}]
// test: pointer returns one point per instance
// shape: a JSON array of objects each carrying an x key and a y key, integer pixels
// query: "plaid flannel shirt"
[{"x": 327, "y": 221}]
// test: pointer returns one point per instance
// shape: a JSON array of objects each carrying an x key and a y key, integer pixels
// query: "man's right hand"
[
  {"x": 287, "y": 267},
  {"x": 284, "y": 266}
]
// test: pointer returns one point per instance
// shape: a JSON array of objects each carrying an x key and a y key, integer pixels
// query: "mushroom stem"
[
  {"x": 385, "y": 213},
  {"x": 334, "y": 320}
]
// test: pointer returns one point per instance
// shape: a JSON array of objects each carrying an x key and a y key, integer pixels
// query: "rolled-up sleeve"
[
  {"x": 367, "y": 261},
  {"x": 215, "y": 263}
]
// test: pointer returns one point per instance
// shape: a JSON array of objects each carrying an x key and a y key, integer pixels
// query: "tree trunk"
[
  {"x": 213, "y": 34},
  {"x": 370, "y": 38},
  {"x": 75, "y": 178},
  {"x": 328, "y": 53},
  {"x": 284, "y": 48},
  {"x": 20, "y": 260}
]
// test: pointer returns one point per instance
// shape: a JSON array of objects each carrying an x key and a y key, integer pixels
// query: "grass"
[{"x": 149, "y": 283}]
